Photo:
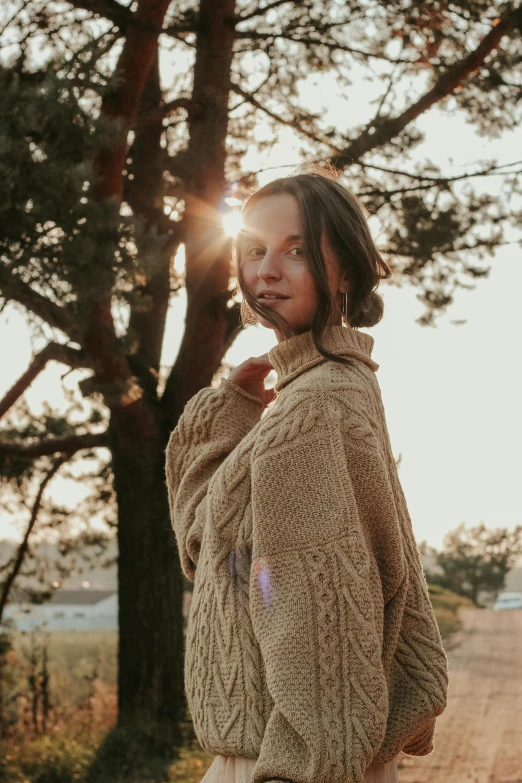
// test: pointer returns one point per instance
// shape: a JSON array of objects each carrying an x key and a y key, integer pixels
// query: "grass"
[
  {"x": 446, "y": 606},
  {"x": 82, "y": 669},
  {"x": 58, "y": 757},
  {"x": 66, "y": 756}
]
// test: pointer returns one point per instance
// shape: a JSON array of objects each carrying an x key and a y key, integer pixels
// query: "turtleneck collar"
[{"x": 294, "y": 356}]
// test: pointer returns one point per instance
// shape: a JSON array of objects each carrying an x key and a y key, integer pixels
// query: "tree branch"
[
  {"x": 121, "y": 103},
  {"x": 123, "y": 18},
  {"x": 263, "y": 10},
  {"x": 333, "y": 46},
  {"x": 52, "y": 352},
  {"x": 425, "y": 182},
  {"x": 151, "y": 116},
  {"x": 14, "y": 289},
  {"x": 489, "y": 171},
  {"x": 207, "y": 250},
  {"x": 290, "y": 123},
  {"x": 10, "y": 19},
  {"x": 149, "y": 306},
  {"x": 69, "y": 445},
  {"x": 383, "y": 131},
  {"x": 22, "y": 549},
  {"x": 109, "y": 9}
]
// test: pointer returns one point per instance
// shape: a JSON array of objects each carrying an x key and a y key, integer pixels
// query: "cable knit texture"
[{"x": 312, "y": 646}]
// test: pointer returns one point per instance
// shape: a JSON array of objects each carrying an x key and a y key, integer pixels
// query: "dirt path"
[{"x": 479, "y": 736}]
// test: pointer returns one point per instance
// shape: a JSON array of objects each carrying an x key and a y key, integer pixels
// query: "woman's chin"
[{"x": 268, "y": 325}]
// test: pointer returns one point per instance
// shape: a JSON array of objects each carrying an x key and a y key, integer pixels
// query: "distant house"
[{"x": 68, "y": 610}]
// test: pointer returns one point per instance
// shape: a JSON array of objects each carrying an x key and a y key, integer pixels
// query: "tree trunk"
[
  {"x": 210, "y": 325},
  {"x": 150, "y": 656}
]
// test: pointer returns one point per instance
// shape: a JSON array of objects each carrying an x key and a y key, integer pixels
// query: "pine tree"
[{"x": 109, "y": 162}]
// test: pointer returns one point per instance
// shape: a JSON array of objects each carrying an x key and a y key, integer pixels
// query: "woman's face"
[{"x": 272, "y": 258}]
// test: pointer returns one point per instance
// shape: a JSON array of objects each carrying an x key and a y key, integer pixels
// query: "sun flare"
[{"x": 232, "y": 223}]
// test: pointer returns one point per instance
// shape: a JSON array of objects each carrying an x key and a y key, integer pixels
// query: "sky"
[
  {"x": 451, "y": 396},
  {"x": 451, "y": 392}
]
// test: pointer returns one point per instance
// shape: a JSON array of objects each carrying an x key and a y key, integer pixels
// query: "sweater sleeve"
[
  {"x": 311, "y": 605},
  {"x": 212, "y": 424}
]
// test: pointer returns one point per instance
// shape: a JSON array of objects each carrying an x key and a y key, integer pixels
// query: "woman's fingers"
[
  {"x": 256, "y": 365},
  {"x": 259, "y": 361},
  {"x": 270, "y": 395},
  {"x": 250, "y": 376}
]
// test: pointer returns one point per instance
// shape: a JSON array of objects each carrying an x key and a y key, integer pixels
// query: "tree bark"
[
  {"x": 150, "y": 658},
  {"x": 150, "y": 654},
  {"x": 144, "y": 193},
  {"x": 210, "y": 325}
]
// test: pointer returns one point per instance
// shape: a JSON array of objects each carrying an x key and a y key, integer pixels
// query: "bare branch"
[
  {"x": 109, "y": 9},
  {"x": 291, "y": 123},
  {"x": 263, "y": 10},
  {"x": 332, "y": 45},
  {"x": 488, "y": 171},
  {"x": 22, "y": 549},
  {"x": 392, "y": 78},
  {"x": 124, "y": 18},
  {"x": 383, "y": 131},
  {"x": 425, "y": 182},
  {"x": 14, "y": 289},
  {"x": 53, "y": 351},
  {"x": 69, "y": 445},
  {"x": 11, "y": 19}
]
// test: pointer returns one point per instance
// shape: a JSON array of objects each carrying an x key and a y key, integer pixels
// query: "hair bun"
[{"x": 370, "y": 311}]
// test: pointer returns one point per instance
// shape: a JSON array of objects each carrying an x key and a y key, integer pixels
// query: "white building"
[{"x": 68, "y": 610}]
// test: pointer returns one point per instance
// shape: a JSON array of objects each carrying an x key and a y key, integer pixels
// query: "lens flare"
[{"x": 232, "y": 223}]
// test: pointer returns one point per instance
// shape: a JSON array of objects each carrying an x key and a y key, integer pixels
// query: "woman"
[{"x": 312, "y": 654}]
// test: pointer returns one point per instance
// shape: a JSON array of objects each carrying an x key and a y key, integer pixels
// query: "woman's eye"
[
  {"x": 256, "y": 250},
  {"x": 297, "y": 251}
]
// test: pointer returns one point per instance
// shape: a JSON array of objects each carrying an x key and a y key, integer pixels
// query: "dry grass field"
[{"x": 60, "y": 713}]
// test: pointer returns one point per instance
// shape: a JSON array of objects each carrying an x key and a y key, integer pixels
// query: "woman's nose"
[{"x": 269, "y": 266}]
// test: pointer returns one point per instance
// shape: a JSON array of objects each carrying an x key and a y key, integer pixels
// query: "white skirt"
[{"x": 238, "y": 769}]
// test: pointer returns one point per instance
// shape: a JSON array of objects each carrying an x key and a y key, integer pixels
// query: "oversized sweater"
[{"x": 311, "y": 641}]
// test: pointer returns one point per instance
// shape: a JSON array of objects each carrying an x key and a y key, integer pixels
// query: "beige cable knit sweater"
[{"x": 311, "y": 642}]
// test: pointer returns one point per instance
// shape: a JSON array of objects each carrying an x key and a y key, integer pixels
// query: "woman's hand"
[{"x": 251, "y": 374}]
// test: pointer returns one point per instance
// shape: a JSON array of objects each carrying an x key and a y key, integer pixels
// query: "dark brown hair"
[{"x": 327, "y": 211}]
